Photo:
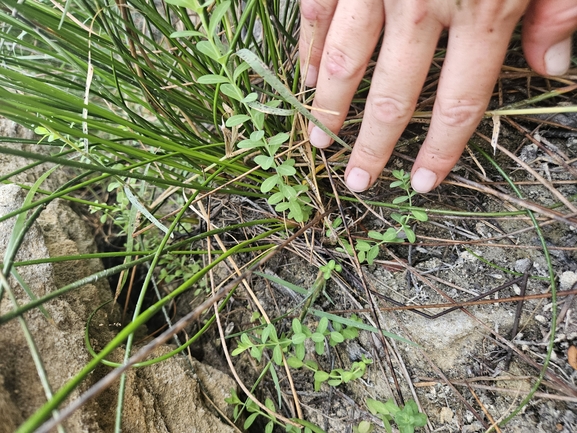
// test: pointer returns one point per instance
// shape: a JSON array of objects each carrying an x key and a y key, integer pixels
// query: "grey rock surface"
[{"x": 165, "y": 397}]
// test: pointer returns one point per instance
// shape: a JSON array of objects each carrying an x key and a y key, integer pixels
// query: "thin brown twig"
[
  {"x": 431, "y": 381},
  {"x": 363, "y": 282},
  {"x": 484, "y": 409},
  {"x": 206, "y": 215},
  {"x": 462, "y": 304},
  {"x": 524, "y": 204}
]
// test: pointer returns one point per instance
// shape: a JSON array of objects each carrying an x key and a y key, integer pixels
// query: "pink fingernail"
[
  {"x": 558, "y": 57},
  {"x": 312, "y": 75},
  {"x": 423, "y": 180},
  {"x": 358, "y": 179},
  {"x": 319, "y": 138}
]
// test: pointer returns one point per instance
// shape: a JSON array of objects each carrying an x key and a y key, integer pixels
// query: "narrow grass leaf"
[
  {"x": 145, "y": 211},
  {"x": 360, "y": 325},
  {"x": 271, "y": 79}
]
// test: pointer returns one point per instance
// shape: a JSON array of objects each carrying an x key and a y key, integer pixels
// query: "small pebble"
[
  {"x": 567, "y": 280},
  {"x": 523, "y": 265},
  {"x": 541, "y": 319}
]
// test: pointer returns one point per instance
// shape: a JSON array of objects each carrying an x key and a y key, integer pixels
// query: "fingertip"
[
  {"x": 546, "y": 35},
  {"x": 558, "y": 58},
  {"x": 358, "y": 180},
  {"x": 319, "y": 138},
  {"x": 423, "y": 180}
]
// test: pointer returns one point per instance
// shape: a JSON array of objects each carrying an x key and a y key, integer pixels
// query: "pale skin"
[{"x": 338, "y": 38}]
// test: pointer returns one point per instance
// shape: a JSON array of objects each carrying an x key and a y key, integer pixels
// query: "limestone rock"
[{"x": 165, "y": 397}]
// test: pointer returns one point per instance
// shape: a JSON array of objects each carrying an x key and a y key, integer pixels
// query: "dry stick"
[
  {"x": 566, "y": 306},
  {"x": 462, "y": 304},
  {"x": 434, "y": 366},
  {"x": 206, "y": 216},
  {"x": 460, "y": 181},
  {"x": 402, "y": 365},
  {"x": 456, "y": 305},
  {"x": 448, "y": 382},
  {"x": 506, "y": 235},
  {"x": 540, "y": 178},
  {"x": 540, "y": 145},
  {"x": 484, "y": 409},
  {"x": 393, "y": 344},
  {"x": 432, "y": 381},
  {"x": 498, "y": 338},
  {"x": 518, "y": 312},
  {"x": 516, "y": 201},
  {"x": 109, "y": 379},
  {"x": 363, "y": 282}
]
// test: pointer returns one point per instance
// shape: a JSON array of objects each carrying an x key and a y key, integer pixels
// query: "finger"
[
  {"x": 547, "y": 29},
  {"x": 404, "y": 60},
  {"x": 477, "y": 46},
  {"x": 351, "y": 39},
  {"x": 316, "y": 16}
]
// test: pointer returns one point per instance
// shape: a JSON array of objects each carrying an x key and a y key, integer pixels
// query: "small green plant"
[
  {"x": 407, "y": 418},
  {"x": 404, "y": 182},
  {"x": 253, "y": 409},
  {"x": 368, "y": 250},
  {"x": 335, "y": 377},
  {"x": 267, "y": 339},
  {"x": 248, "y": 110},
  {"x": 328, "y": 269},
  {"x": 175, "y": 268},
  {"x": 289, "y": 197},
  {"x": 295, "y": 345}
]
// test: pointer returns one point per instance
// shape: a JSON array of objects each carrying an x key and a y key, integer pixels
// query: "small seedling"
[
  {"x": 368, "y": 250},
  {"x": 267, "y": 338},
  {"x": 407, "y": 419},
  {"x": 329, "y": 268},
  {"x": 254, "y": 410}
]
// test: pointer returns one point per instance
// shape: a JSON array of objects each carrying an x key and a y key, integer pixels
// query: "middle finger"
[{"x": 350, "y": 42}]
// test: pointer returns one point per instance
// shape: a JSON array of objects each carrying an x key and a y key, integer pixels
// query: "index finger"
[{"x": 316, "y": 17}]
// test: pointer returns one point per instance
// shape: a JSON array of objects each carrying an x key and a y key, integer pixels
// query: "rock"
[
  {"x": 162, "y": 397},
  {"x": 165, "y": 398},
  {"x": 59, "y": 338},
  {"x": 446, "y": 415},
  {"x": 523, "y": 265},
  {"x": 567, "y": 280}
]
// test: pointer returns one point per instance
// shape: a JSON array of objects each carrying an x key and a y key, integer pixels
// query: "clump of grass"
[{"x": 161, "y": 111}]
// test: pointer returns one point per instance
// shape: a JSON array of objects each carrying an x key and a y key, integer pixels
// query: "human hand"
[{"x": 341, "y": 37}]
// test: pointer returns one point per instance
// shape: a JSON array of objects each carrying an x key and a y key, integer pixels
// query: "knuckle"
[
  {"x": 367, "y": 152},
  {"x": 391, "y": 110},
  {"x": 566, "y": 19},
  {"x": 338, "y": 64},
  {"x": 458, "y": 113},
  {"x": 313, "y": 10}
]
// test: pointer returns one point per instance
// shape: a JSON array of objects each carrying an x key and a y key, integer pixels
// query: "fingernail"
[
  {"x": 319, "y": 138},
  {"x": 312, "y": 75},
  {"x": 358, "y": 180},
  {"x": 423, "y": 180},
  {"x": 557, "y": 57}
]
